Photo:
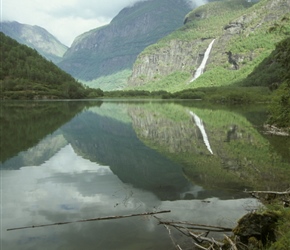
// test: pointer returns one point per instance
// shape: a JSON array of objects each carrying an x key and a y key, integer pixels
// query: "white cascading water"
[
  {"x": 200, "y": 125},
  {"x": 201, "y": 67}
]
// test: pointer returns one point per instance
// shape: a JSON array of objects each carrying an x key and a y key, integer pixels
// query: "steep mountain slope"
[
  {"x": 242, "y": 40},
  {"x": 25, "y": 74},
  {"x": 35, "y": 37},
  {"x": 113, "y": 48}
]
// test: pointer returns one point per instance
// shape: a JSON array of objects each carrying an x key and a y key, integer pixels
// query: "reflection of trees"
[{"x": 24, "y": 124}]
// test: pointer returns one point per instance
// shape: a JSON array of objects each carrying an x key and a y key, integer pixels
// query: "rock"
[{"x": 257, "y": 229}]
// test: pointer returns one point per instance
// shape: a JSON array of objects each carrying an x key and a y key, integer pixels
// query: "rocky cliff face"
[
  {"x": 114, "y": 47},
  {"x": 178, "y": 55},
  {"x": 184, "y": 49},
  {"x": 36, "y": 38}
]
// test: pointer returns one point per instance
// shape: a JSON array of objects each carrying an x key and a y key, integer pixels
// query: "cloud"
[
  {"x": 65, "y": 19},
  {"x": 196, "y": 3}
]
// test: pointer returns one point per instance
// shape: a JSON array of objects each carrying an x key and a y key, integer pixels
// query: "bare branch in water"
[{"x": 93, "y": 219}]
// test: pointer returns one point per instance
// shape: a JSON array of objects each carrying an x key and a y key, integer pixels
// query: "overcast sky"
[{"x": 65, "y": 19}]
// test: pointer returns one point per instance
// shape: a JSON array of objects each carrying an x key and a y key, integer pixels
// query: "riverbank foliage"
[
  {"x": 280, "y": 106},
  {"x": 24, "y": 74}
]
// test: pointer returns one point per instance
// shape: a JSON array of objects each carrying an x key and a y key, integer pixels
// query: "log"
[
  {"x": 268, "y": 192},
  {"x": 196, "y": 226},
  {"x": 234, "y": 247},
  {"x": 92, "y": 219},
  {"x": 202, "y": 238}
]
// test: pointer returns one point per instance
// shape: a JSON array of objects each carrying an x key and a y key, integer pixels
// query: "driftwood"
[
  {"x": 195, "y": 226},
  {"x": 199, "y": 238},
  {"x": 269, "y": 196},
  {"x": 233, "y": 245},
  {"x": 92, "y": 219},
  {"x": 287, "y": 192},
  {"x": 171, "y": 237}
]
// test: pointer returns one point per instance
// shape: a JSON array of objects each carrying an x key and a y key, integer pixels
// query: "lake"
[{"x": 64, "y": 161}]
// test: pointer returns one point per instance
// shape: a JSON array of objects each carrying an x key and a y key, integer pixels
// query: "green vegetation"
[
  {"x": 282, "y": 231},
  {"x": 24, "y": 74},
  {"x": 251, "y": 45},
  {"x": 225, "y": 95},
  {"x": 280, "y": 107},
  {"x": 204, "y": 22},
  {"x": 172, "y": 82},
  {"x": 262, "y": 56},
  {"x": 110, "y": 82},
  {"x": 134, "y": 94}
]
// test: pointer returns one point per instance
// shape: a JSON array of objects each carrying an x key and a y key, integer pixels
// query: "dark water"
[{"x": 67, "y": 161}]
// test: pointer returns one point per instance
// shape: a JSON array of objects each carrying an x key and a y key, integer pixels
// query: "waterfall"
[
  {"x": 201, "y": 67},
  {"x": 200, "y": 125}
]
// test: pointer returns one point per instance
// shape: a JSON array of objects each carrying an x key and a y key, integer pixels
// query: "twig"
[
  {"x": 198, "y": 226},
  {"x": 199, "y": 237},
  {"x": 268, "y": 192},
  {"x": 170, "y": 235},
  {"x": 234, "y": 247},
  {"x": 201, "y": 247},
  {"x": 87, "y": 220}
]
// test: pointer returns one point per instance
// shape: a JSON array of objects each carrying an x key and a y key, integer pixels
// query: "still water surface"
[{"x": 67, "y": 161}]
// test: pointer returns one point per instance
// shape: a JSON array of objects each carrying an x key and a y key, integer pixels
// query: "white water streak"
[
  {"x": 201, "y": 67},
  {"x": 199, "y": 124}
]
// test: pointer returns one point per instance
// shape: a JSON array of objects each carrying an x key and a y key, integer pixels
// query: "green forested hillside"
[
  {"x": 244, "y": 36},
  {"x": 250, "y": 50},
  {"x": 24, "y": 74},
  {"x": 280, "y": 107}
]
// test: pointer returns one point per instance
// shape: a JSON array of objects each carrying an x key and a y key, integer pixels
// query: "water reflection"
[
  {"x": 243, "y": 157},
  {"x": 24, "y": 124},
  {"x": 114, "y": 143},
  {"x": 68, "y": 188},
  {"x": 124, "y": 158}
]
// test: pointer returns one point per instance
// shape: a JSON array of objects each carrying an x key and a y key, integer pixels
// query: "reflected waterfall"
[
  {"x": 201, "y": 67},
  {"x": 200, "y": 125}
]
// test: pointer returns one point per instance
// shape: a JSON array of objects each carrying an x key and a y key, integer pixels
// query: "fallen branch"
[
  {"x": 234, "y": 247},
  {"x": 269, "y": 196},
  {"x": 171, "y": 237},
  {"x": 268, "y": 192},
  {"x": 88, "y": 220},
  {"x": 200, "y": 247},
  {"x": 196, "y": 226},
  {"x": 199, "y": 238}
]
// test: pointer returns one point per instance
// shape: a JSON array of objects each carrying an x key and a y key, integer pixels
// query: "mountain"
[
  {"x": 112, "y": 49},
  {"x": 35, "y": 37},
  {"x": 25, "y": 74},
  {"x": 245, "y": 34}
]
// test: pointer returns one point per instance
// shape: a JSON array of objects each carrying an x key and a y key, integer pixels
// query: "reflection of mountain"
[
  {"x": 280, "y": 145},
  {"x": 38, "y": 154},
  {"x": 24, "y": 124},
  {"x": 242, "y": 156},
  {"x": 110, "y": 142}
]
